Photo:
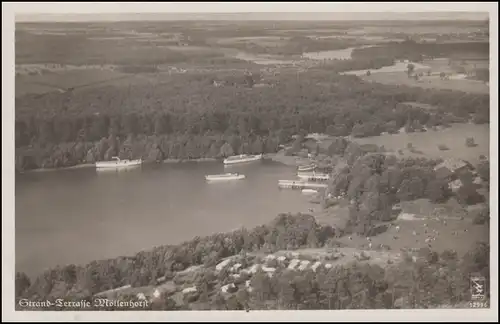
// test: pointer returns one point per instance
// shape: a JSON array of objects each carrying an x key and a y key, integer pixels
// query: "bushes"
[
  {"x": 469, "y": 142},
  {"x": 483, "y": 217},
  {"x": 468, "y": 195},
  {"x": 443, "y": 147},
  {"x": 483, "y": 170}
]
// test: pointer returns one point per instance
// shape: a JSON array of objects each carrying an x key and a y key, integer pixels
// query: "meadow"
[
  {"x": 432, "y": 82},
  {"x": 426, "y": 143}
]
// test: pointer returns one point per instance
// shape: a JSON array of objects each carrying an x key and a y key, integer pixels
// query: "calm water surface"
[{"x": 76, "y": 216}]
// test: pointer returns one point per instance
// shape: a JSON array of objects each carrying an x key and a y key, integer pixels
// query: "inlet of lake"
[{"x": 77, "y": 216}]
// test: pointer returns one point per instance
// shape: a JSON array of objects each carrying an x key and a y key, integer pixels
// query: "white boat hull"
[
  {"x": 224, "y": 178},
  {"x": 247, "y": 159},
  {"x": 306, "y": 168},
  {"x": 309, "y": 191},
  {"x": 117, "y": 164}
]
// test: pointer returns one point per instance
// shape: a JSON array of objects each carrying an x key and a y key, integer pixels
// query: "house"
[
  {"x": 450, "y": 167},
  {"x": 227, "y": 287},
  {"x": 268, "y": 269},
  {"x": 222, "y": 265},
  {"x": 189, "y": 290},
  {"x": 236, "y": 267},
  {"x": 303, "y": 265},
  {"x": 455, "y": 185},
  {"x": 294, "y": 263},
  {"x": 282, "y": 258},
  {"x": 315, "y": 266}
]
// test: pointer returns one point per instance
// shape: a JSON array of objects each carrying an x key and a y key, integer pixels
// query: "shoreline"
[{"x": 275, "y": 157}]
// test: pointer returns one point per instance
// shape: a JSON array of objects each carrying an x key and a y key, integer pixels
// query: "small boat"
[
  {"x": 309, "y": 191},
  {"x": 225, "y": 177},
  {"x": 305, "y": 168},
  {"x": 117, "y": 163},
  {"x": 242, "y": 158}
]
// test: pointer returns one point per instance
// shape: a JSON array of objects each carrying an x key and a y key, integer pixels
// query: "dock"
[
  {"x": 297, "y": 184},
  {"x": 314, "y": 176}
]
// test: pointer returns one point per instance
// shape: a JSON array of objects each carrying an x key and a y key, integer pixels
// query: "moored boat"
[
  {"x": 309, "y": 191},
  {"x": 313, "y": 176},
  {"x": 242, "y": 158},
  {"x": 225, "y": 177},
  {"x": 117, "y": 163},
  {"x": 306, "y": 168}
]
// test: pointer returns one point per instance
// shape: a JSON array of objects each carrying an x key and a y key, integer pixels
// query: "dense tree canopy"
[{"x": 187, "y": 118}]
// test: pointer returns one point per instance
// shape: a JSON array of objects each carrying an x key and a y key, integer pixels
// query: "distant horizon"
[{"x": 255, "y": 16}]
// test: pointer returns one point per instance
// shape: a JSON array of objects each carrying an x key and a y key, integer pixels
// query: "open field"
[
  {"x": 430, "y": 220},
  {"x": 64, "y": 80},
  {"x": 427, "y": 142},
  {"x": 433, "y": 82}
]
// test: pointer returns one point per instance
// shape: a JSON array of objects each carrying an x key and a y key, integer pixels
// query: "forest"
[
  {"x": 185, "y": 117},
  {"x": 416, "y": 52},
  {"x": 434, "y": 279}
]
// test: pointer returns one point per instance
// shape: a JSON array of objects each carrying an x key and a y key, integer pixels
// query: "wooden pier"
[{"x": 297, "y": 184}]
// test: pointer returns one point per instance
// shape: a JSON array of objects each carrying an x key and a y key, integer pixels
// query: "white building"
[
  {"x": 222, "y": 265},
  {"x": 189, "y": 290},
  {"x": 225, "y": 288},
  {"x": 294, "y": 263},
  {"x": 315, "y": 266},
  {"x": 303, "y": 265}
]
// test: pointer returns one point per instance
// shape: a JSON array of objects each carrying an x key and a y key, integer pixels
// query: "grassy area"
[
  {"x": 427, "y": 142},
  {"x": 62, "y": 80},
  {"x": 433, "y": 82}
]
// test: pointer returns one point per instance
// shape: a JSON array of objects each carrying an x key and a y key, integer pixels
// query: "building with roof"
[{"x": 450, "y": 167}]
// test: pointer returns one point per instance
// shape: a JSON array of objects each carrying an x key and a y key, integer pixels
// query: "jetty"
[{"x": 297, "y": 184}]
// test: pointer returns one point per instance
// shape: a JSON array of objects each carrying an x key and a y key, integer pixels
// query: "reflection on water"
[{"x": 75, "y": 216}]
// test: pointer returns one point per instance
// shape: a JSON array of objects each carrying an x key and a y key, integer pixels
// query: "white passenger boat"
[
  {"x": 309, "y": 191},
  {"x": 306, "y": 168},
  {"x": 242, "y": 158},
  {"x": 225, "y": 177},
  {"x": 313, "y": 176},
  {"x": 117, "y": 163}
]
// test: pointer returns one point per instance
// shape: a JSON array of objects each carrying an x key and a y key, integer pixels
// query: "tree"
[
  {"x": 442, "y": 75},
  {"x": 410, "y": 68},
  {"x": 469, "y": 142},
  {"x": 438, "y": 191},
  {"x": 483, "y": 169},
  {"x": 468, "y": 195},
  {"x": 297, "y": 144},
  {"x": 337, "y": 147},
  {"x": 226, "y": 150},
  {"x": 22, "y": 283},
  {"x": 257, "y": 146},
  {"x": 483, "y": 75}
]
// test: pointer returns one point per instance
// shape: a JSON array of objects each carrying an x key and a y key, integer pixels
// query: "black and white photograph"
[{"x": 257, "y": 159}]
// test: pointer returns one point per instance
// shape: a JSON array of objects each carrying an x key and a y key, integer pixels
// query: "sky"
[{"x": 256, "y": 16}]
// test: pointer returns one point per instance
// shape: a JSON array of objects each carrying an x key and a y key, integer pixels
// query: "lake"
[
  {"x": 76, "y": 216},
  {"x": 343, "y": 54}
]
